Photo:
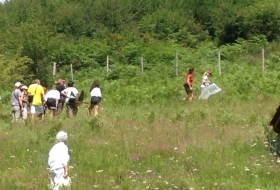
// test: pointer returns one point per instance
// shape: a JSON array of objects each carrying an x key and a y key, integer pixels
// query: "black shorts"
[
  {"x": 187, "y": 88},
  {"x": 94, "y": 100},
  {"x": 51, "y": 103}
]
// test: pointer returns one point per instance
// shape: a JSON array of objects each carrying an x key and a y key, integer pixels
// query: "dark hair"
[
  {"x": 191, "y": 70},
  {"x": 94, "y": 85},
  {"x": 70, "y": 84}
]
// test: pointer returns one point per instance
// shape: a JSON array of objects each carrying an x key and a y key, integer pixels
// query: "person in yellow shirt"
[{"x": 36, "y": 105}]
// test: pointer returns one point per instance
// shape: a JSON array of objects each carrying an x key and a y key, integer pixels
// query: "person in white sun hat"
[
  {"x": 58, "y": 162},
  {"x": 16, "y": 102}
]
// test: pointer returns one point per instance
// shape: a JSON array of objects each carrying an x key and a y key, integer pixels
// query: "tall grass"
[{"x": 213, "y": 144}]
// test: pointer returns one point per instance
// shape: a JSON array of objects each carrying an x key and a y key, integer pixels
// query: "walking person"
[
  {"x": 16, "y": 103},
  {"x": 205, "y": 79},
  {"x": 51, "y": 101},
  {"x": 36, "y": 103},
  {"x": 25, "y": 103},
  {"x": 95, "y": 98},
  {"x": 60, "y": 86},
  {"x": 188, "y": 84},
  {"x": 58, "y": 160},
  {"x": 71, "y": 95}
]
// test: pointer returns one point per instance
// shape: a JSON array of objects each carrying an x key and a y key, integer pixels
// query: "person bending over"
[{"x": 95, "y": 98}]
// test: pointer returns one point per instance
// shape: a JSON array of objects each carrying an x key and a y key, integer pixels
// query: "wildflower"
[
  {"x": 99, "y": 171},
  {"x": 149, "y": 171}
]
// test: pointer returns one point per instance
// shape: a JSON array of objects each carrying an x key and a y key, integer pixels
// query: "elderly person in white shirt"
[
  {"x": 58, "y": 160},
  {"x": 95, "y": 98}
]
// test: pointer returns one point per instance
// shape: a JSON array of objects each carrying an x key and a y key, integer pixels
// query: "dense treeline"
[{"x": 83, "y": 32}]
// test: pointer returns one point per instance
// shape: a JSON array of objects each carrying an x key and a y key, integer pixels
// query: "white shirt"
[
  {"x": 52, "y": 94},
  {"x": 68, "y": 92},
  {"x": 95, "y": 92},
  {"x": 58, "y": 155},
  {"x": 204, "y": 84}
]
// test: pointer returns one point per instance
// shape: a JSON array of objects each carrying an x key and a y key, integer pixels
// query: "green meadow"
[
  {"x": 153, "y": 142},
  {"x": 145, "y": 136}
]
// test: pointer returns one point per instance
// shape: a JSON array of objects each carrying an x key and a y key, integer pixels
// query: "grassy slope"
[{"x": 213, "y": 144}]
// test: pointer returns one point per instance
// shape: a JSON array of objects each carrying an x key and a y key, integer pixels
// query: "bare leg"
[
  {"x": 89, "y": 109},
  {"x": 191, "y": 97},
  {"x": 96, "y": 109},
  {"x": 52, "y": 113},
  {"x": 33, "y": 118}
]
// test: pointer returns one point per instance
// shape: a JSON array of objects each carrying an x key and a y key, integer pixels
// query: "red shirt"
[{"x": 190, "y": 77}]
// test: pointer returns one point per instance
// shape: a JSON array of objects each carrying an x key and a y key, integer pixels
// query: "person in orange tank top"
[{"x": 188, "y": 84}]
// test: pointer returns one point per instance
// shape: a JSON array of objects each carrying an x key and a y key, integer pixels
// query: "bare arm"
[
  {"x": 65, "y": 166},
  {"x": 64, "y": 93},
  {"x": 189, "y": 83},
  {"x": 56, "y": 103},
  {"x": 20, "y": 98}
]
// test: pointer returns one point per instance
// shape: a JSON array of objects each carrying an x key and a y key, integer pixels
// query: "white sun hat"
[
  {"x": 65, "y": 183},
  {"x": 18, "y": 84}
]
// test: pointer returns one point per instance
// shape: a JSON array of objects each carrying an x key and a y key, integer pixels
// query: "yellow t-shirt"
[{"x": 37, "y": 98}]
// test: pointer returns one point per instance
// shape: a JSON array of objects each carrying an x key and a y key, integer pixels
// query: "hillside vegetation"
[{"x": 34, "y": 34}]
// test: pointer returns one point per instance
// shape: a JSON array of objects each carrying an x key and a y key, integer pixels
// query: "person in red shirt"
[{"x": 188, "y": 84}]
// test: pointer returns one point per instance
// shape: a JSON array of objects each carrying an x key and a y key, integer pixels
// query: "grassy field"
[{"x": 214, "y": 144}]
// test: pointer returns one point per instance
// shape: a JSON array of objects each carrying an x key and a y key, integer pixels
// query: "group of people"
[
  {"x": 36, "y": 100},
  {"x": 189, "y": 82}
]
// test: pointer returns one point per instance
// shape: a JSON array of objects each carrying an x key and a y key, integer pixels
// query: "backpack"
[{"x": 72, "y": 101}]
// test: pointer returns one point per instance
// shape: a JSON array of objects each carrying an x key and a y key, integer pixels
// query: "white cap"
[{"x": 17, "y": 84}]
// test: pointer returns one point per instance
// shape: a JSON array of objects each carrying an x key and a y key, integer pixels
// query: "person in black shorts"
[
  {"x": 188, "y": 84},
  {"x": 60, "y": 86},
  {"x": 51, "y": 101},
  {"x": 95, "y": 98}
]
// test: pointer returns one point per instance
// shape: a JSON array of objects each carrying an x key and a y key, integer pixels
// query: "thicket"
[{"x": 34, "y": 34}]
